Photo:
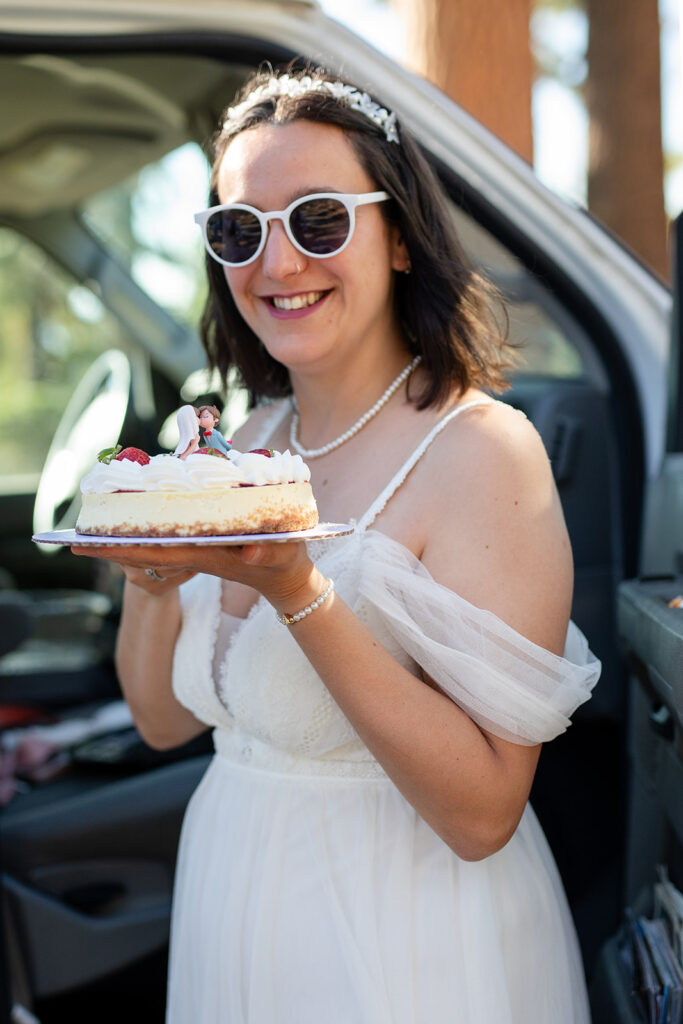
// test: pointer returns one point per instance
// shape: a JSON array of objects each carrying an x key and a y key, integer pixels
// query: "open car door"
[
  {"x": 88, "y": 858},
  {"x": 631, "y": 975}
]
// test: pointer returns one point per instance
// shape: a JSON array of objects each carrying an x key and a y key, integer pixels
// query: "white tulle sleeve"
[{"x": 506, "y": 684}]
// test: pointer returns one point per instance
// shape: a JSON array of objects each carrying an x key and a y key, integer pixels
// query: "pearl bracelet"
[{"x": 289, "y": 620}]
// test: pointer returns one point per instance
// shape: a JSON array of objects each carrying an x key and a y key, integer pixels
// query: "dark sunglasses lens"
[
  {"x": 234, "y": 235},
  {"x": 320, "y": 226}
]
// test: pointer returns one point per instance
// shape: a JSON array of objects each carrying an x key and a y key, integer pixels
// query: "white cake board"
[{"x": 320, "y": 532}]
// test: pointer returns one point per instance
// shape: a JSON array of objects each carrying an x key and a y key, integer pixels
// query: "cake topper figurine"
[
  {"x": 188, "y": 428},
  {"x": 200, "y": 424},
  {"x": 209, "y": 416}
]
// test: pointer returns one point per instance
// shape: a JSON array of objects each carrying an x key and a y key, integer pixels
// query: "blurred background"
[
  {"x": 103, "y": 163},
  {"x": 588, "y": 91}
]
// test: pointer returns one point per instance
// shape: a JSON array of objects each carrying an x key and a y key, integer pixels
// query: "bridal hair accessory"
[
  {"x": 289, "y": 620},
  {"x": 286, "y": 85},
  {"x": 314, "y": 453}
]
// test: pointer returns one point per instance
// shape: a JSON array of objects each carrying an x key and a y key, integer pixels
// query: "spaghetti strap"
[
  {"x": 378, "y": 505},
  {"x": 272, "y": 422}
]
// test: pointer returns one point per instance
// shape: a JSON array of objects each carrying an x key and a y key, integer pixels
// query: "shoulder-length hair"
[{"x": 444, "y": 308}]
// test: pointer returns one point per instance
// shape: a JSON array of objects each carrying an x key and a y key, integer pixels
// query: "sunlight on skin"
[{"x": 287, "y": 567}]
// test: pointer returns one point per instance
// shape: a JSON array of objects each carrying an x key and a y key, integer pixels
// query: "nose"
[{"x": 280, "y": 259}]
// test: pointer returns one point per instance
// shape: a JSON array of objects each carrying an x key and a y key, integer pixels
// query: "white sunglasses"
[{"x": 319, "y": 225}]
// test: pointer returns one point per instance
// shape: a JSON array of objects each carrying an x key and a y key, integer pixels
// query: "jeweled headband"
[{"x": 285, "y": 85}]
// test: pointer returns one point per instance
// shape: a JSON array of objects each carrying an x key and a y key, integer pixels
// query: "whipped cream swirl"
[{"x": 195, "y": 473}]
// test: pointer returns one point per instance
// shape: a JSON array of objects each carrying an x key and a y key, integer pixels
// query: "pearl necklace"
[{"x": 314, "y": 453}]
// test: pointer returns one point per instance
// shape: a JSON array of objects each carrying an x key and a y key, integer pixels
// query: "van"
[{"x": 108, "y": 109}]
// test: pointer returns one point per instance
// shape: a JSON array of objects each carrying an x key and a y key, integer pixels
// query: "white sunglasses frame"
[{"x": 349, "y": 200}]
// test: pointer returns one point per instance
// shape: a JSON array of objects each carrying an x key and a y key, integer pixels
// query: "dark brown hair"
[{"x": 444, "y": 308}]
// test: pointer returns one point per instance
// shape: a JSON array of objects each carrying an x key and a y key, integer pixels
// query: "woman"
[{"x": 361, "y": 848}]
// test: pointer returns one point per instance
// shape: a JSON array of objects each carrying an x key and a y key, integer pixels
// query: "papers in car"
[
  {"x": 651, "y": 951},
  {"x": 669, "y": 905}
]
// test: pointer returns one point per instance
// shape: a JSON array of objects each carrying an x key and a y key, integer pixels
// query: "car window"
[
  {"x": 52, "y": 327},
  {"x": 550, "y": 342},
  {"x": 51, "y": 330},
  {"x": 147, "y": 221}
]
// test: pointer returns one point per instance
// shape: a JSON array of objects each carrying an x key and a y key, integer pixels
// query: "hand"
[
  {"x": 283, "y": 573},
  {"x": 169, "y": 578},
  {"x": 159, "y": 584}
]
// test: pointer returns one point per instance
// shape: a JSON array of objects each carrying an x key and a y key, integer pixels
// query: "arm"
[
  {"x": 149, "y": 627},
  {"x": 192, "y": 447},
  {"x": 469, "y": 786},
  {"x": 150, "y": 623},
  {"x": 504, "y": 548}
]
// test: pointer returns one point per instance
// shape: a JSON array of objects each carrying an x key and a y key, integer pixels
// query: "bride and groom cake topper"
[{"x": 196, "y": 424}]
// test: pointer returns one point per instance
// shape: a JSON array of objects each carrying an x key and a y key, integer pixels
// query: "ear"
[{"x": 400, "y": 259}]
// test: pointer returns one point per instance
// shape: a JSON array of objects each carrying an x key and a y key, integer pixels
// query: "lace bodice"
[
  {"x": 268, "y": 698},
  {"x": 271, "y": 709}
]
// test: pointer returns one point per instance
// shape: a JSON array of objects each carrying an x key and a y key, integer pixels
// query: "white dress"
[{"x": 308, "y": 890}]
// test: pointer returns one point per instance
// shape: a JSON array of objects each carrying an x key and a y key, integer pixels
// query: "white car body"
[{"x": 634, "y": 305}]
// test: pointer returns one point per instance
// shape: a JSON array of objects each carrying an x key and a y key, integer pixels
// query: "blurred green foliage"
[
  {"x": 52, "y": 327},
  {"x": 51, "y": 330}
]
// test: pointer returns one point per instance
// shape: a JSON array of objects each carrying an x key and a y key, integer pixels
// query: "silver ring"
[
  {"x": 297, "y": 267},
  {"x": 154, "y": 575}
]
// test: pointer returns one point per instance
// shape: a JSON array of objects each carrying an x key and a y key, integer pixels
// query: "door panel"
[
  {"x": 651, "y": 634},
  {"x": 88, "y": 877}
]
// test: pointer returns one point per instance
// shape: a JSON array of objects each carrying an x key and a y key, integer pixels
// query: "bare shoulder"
[
  {"x": 496, "y": 442},
  {"x": 497, "y": 532},
  {"x": 489, "y": 454},
  {"x": 249, "y": 433}
]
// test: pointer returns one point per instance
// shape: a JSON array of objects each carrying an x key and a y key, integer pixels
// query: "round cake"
[{"x": 201, "y": 495}]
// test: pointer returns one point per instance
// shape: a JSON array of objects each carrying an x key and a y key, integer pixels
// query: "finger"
[
  {"x": 150, "y": 574},
  {"x": 156, "y": 586},
  {"x": 110, "y": 553},
  {"x": 273, "y": 555},
  {"x": 91, "y": 551},
  {"x": 254, "y": 554},
  {"x": 137, "y": 558}
]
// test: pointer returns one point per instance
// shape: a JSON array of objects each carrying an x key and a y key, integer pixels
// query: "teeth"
[{"x": 296, "y": 301}]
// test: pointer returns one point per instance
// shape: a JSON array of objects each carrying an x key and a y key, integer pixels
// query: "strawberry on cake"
[{"x": 132, "y": 494}]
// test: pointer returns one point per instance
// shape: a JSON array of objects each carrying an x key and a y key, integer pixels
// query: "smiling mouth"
[{"x": 296, "y": 301}]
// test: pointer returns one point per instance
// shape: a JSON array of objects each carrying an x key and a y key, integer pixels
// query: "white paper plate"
[{"x": 322, "y": 530}]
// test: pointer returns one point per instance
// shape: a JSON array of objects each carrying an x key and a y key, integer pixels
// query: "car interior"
[{"x": 102, "y": 164}]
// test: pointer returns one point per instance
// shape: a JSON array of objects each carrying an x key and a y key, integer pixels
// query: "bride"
[{"x": 361, "y": 849}]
